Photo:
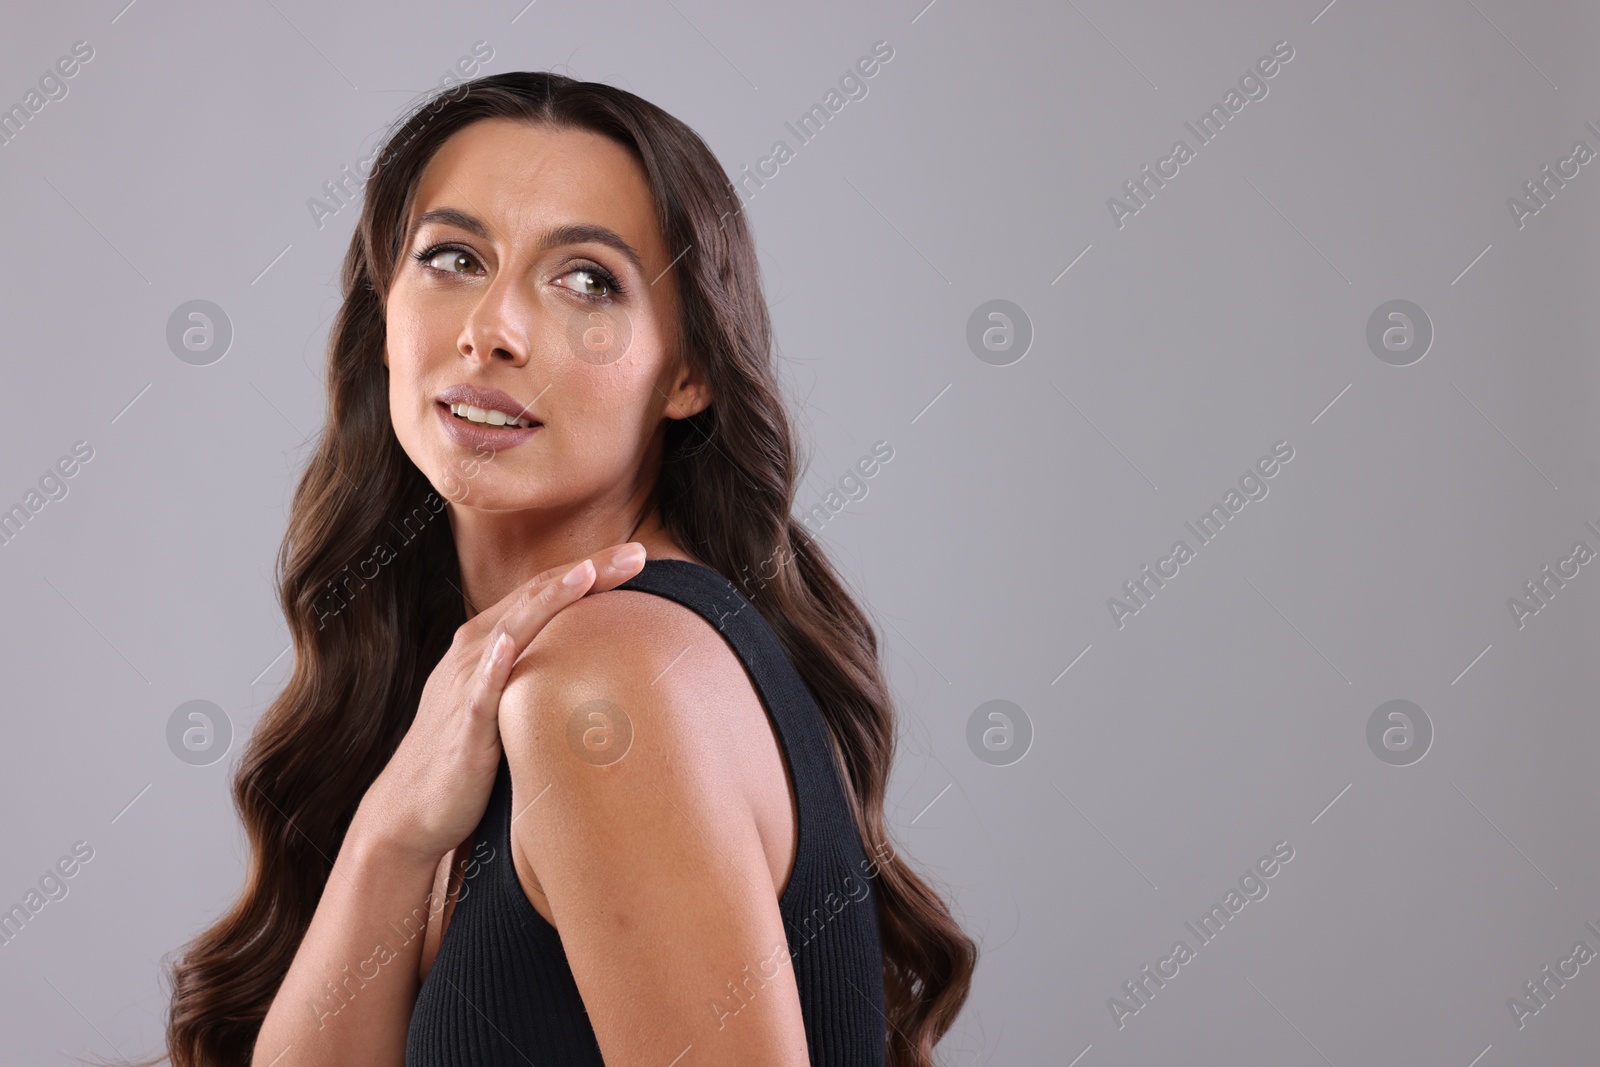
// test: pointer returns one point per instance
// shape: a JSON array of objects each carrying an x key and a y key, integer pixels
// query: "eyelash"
[{"x": 606, "y": 277}]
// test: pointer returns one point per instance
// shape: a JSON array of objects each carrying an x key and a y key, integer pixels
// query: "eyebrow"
[{"x": 569, "y": 234}]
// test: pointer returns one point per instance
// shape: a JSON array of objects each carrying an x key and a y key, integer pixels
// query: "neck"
[{"x": 499, "y": 551}]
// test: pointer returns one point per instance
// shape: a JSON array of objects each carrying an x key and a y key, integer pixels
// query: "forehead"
[{"x": 522, "y": 179}]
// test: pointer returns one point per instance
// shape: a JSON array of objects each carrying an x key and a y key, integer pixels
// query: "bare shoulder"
[
  {"x": 640, "y": 698},
  {"x": 624, "y": 654},
  {"x": 649, "y": 798}
]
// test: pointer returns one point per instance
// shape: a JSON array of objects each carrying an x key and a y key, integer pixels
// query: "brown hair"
[{"x": 725, "y": 489}]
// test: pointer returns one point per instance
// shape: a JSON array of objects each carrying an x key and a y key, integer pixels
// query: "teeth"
[{"x": 488, "y": 417}]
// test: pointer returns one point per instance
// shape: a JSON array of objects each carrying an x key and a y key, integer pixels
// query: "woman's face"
[{"x": 526, "y": 285}]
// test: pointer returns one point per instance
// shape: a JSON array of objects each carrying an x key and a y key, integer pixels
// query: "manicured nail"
[
  {"x": 579, "y": 574},
  {"x": 628, "y": 557}
]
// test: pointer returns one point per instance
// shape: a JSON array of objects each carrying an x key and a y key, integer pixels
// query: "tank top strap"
[{"x": 787, "y": 698}]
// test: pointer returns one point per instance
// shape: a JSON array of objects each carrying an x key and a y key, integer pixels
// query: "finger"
[
  {"x": 536, "y": 607},
  {"x": 625, "y": 559},
  {"x": 493, "y": 670},
  {"x": 616, "y": 565},
  {"x": 523, "y": 619},
  {"x": 613, "y": 566}
]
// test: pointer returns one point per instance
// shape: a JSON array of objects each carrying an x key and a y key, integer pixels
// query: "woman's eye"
[
  {"x": 448, "y": 259},
  {"x": 590, "y": 283}
]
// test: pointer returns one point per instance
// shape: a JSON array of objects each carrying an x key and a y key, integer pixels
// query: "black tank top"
[{"x": 500, "y": 990}]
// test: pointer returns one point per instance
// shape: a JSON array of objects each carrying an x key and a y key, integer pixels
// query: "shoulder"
[
  {"x": 629, "y": 706},
  {"x": 643, "y": 654},
  {"x": 622, "y": 726}
]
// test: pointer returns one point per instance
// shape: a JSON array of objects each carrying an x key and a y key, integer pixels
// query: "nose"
[{"x": 495, "y": 328}]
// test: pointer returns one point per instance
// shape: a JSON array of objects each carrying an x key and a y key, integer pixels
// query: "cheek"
[
  {"x": 409, "y": 407},
  {"x": 403, "y": 382},
  {"x": 596, "y": 411},
  {"x": 410, "y": 330},
  {"x": 608, "y": 366},
  {"x": 604, "y": 416},
  {"x": 597, "y": 337}
]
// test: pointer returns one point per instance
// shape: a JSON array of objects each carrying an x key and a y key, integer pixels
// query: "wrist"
[{"x": 371, "y": 842}]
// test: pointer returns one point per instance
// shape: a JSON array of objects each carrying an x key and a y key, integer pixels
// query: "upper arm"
[{"x": 646, "y": 846}]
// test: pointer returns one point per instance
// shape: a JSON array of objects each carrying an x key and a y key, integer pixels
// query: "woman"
[{"x": 656, "y": 833}]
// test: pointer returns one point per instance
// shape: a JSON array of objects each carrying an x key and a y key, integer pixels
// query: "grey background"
[{"x": 1229, "y": 314}]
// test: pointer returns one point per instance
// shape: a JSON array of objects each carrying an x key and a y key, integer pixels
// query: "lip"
[
  {"x": 475, "y": 436},
  {"x": 488, "y": 399}
]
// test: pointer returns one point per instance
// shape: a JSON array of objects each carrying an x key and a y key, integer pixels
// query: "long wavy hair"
[{"x": 365, "y": 645}]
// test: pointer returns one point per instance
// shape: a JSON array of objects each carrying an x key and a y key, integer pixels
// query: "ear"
[{"x": 690, "y": 396}]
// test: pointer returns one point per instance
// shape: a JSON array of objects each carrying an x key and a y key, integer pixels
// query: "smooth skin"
[{"x": 661, "y": 871}]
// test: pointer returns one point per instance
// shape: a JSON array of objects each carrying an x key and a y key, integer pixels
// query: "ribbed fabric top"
[{"x": 500, "y": 990}]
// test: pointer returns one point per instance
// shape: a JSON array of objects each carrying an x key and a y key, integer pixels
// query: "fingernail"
[
  {"x": 579, "y": 574},
  {"x": 628, "y": 557}
]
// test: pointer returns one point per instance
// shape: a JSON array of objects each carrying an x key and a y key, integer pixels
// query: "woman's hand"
[{"x": 436, "y": 786}]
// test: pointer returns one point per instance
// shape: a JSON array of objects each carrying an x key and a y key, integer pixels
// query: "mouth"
[
  {"x": 488, "y": 418},
  {"x": 467, "y": 432}
]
